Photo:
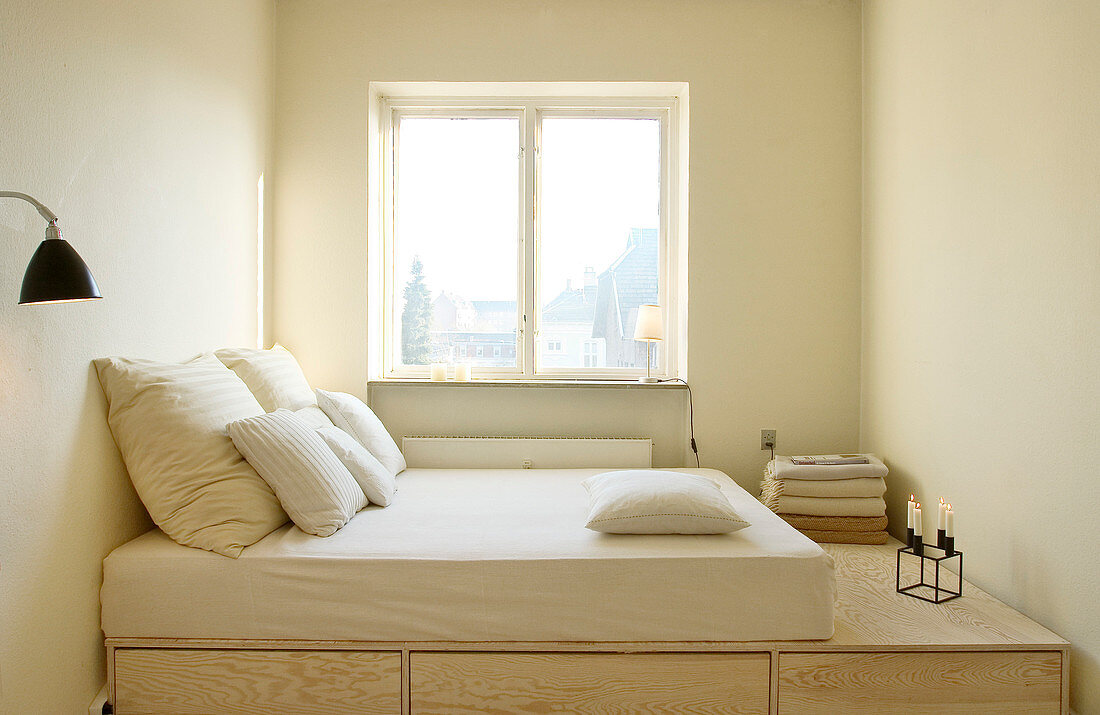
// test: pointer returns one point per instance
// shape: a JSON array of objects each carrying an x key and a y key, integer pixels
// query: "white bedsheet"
[{"x": 481, "y": 555}]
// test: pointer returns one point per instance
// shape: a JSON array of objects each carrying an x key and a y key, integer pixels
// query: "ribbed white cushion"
[
  {"x": 378, "y": 483},
  {"x": 350, "y": 414},
  {"x": 273, "y": 376},
  {"x": 647, "y": 501},
  {"x": 312, "y": 484},
  {"x": 169, "y": 423}
]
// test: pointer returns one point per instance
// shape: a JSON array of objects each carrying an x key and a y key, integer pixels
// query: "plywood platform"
[{"x": 889, "y": 653}]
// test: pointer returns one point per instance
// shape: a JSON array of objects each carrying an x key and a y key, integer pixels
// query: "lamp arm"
[{"x": 41, "y": 207}]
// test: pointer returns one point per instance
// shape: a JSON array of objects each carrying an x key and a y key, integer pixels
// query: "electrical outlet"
[
  {"x": 527, "y": 464},
  {"x": 767, "y": 439}
]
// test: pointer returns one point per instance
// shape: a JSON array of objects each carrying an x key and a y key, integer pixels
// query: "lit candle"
[
  {"x": 916, "y": 521},
  {"x": 950, "y": 520},
  {"x": 439, "y": 372},
  {"x": 912, "y": 504},
  {"x": 942, "y": 519},
  {"x": 462, "y": 372}
]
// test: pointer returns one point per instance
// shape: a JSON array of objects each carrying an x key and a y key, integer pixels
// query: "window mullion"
[{"x": 530, "y": 236}]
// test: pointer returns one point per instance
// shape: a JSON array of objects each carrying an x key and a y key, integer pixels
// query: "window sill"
[{"x": 612, "y": 384}]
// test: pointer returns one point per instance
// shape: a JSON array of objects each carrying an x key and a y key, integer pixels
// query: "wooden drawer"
[
  {"x": 954, "y": 682},
  {"x": 149, "y": 680},
  {"x": 589, "y": 682}
]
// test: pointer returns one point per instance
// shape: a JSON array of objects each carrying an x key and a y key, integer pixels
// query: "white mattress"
[{"x": 481, "y": 555}]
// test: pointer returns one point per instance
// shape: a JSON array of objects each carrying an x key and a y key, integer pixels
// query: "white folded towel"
[
  {"x": 784, "y": 468},
  {"x": 860, "y": 487}
]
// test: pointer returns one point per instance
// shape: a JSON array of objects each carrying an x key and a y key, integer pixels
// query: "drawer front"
[
  {"x": 882, "y": 683},
  {"x": 149, "y": 680},
  {"x": 589, "y": 682}
]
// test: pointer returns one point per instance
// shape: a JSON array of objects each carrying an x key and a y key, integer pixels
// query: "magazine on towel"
[{"x": 830, "y": 459}]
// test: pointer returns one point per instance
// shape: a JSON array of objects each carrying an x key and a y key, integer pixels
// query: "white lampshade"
[{"x": 650, "y": 326}]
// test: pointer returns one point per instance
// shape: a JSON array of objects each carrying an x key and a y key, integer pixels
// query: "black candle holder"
[{"x": 937, "y": 593}]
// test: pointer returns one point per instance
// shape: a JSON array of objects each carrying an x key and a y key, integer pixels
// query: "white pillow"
[
  {"x": 350, "y": 414},
  {"x": 378, "y": 483},
  {"x": 313, "y": 486},
  {"x": 169, "y": 423},
  {"x": 273, "y": 376},
  {"x": 314, "y": 417},
  {"x": 646, "y": 501}
]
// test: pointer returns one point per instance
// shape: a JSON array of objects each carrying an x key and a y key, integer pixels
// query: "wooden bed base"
[{"x": 889, "y": 654}]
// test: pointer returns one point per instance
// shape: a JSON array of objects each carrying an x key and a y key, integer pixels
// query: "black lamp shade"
[{"x": 57, "y": 273}]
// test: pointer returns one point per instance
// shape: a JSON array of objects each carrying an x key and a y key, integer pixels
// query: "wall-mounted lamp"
[
  {"x": 649, "y": 328},
  {"x": 56, "y": 273}
]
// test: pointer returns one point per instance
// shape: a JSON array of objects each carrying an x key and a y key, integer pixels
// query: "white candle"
[
  {"x": 912, "y": 504},
  {"x": 941, "y": 524},
  {"x": 950, "y": 517},
  {"x": 439, "y": 372},
  {"x": 917, "y": 531},
  {"x": 462, "y": 372}
]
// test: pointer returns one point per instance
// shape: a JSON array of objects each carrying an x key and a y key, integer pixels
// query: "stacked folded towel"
[{"x": 833, "y": 503}]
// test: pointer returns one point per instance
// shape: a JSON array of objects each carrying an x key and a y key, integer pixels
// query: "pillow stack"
[
  {"x": 223, "y": 447},
  {"x": 325, "y": 454},
  {"x": 830, "y": 503}
]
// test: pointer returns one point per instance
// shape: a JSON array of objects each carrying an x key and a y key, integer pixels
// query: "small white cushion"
[
  {"x": 378, "y": 483},
  {"x": 169, "y": 421},
  {"x": 314, "y": 487},
  {"x": 350, "y": 414},
  {"x": 646, "y": 501},
  {"x": 273, "y": 376}
]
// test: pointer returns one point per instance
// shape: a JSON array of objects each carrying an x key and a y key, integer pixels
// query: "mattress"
[{"x": 481, "y": 555}]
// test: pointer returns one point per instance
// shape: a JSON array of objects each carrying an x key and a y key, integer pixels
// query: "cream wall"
[
  {"x": 144, "y": 126},
  {"x": 774, "y": 203},
  {"x": 981, "y": 279}
]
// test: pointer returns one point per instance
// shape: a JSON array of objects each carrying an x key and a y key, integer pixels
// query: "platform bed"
[{"x": 889, "y": 653}]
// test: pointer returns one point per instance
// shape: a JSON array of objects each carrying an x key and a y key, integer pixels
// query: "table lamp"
[{"x": 649, "y": 328}]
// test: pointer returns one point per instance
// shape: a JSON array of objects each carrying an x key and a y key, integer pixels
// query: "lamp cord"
[{"x": 691, "y": 416}]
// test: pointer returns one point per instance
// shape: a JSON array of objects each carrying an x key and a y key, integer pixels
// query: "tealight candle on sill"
[
  {"x": 439, "y": 372},
  {"x": 462, "y": 372}
]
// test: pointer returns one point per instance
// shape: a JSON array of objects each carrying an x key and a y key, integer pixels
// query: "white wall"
[
  {"x": 981, "y": 355},
  {"x": 774, "y": 202},
  {"x": 144, "y": 126}
]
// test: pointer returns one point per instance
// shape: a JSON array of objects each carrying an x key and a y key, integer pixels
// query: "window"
[
  {"x": 592, "y": 355},
  {"x": 531, "y": 227}
]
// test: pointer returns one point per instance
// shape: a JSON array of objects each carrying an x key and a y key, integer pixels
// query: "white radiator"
[{"x": 527, "y": 452}]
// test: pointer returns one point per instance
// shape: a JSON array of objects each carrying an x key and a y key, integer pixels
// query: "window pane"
[
  {"x": 599, "y": 247},
  {"x": 456, "y": 244}
]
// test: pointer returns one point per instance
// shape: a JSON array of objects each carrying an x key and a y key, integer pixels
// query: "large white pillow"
[
  {"x": 169, "y": 423},
  {"x": 273, "y": 376},
  {"x": 312, "y": 484},
  {"x": 646, "y": 501},
  {"x": 378, "y": 483},
  {"x": 350, "y": 414}
]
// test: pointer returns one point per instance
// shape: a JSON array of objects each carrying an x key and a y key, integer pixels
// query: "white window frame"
[{"x": 529, "y": 102}]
